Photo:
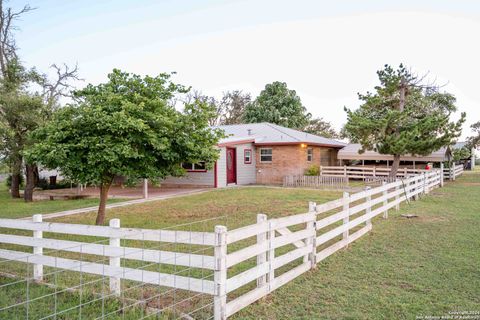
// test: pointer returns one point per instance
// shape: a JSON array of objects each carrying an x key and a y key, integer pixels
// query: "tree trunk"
[
  {"x": 29, "y": 183},
  {"x": 104, "y": 187},
  {"x": 16, "y": 176},
  {"x": 395, "y": 166}
]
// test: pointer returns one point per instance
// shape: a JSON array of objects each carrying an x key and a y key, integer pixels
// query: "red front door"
[{"x": 231, "y": 166}]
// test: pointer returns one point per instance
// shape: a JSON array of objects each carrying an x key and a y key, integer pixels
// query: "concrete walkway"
[{"x": 122, "y": 204}]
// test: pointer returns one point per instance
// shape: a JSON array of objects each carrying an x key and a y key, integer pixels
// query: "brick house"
[{"x": 260, "y": 153}]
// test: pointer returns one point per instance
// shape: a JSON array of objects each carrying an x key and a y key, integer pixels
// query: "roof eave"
[{"x": 266, "y": 143}]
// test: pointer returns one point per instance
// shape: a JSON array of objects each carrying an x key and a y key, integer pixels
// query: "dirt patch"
[{"x": 470, "y": 183}]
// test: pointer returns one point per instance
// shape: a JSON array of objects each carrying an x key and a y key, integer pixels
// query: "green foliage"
[
  {"x": 474, "y": 140},
  {"x": 125, "y": 127},
  {"x": 277, "y": 104},
  {"x": 313, "y": 170},
  {"x": 421, "y": 128},
  {"x": 320, "y": 127},
  {"x": 462, "y": 153},
  {"x": 8, "y": 180},
  {"x": 20, "y": 111},
  {"x": 44, "y": 184},
  {"x": 228, "y": 110}
]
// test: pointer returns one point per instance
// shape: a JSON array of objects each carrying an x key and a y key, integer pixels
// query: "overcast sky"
[{"x": 325, "y": 50}]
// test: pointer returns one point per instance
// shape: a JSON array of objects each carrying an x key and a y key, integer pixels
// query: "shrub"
[
  {"x": 314, "y": 170},
  {"x": 8, "y": 181}
]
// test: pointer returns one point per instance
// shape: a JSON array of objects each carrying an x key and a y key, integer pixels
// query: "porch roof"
[{"x": 351, "y": 152}]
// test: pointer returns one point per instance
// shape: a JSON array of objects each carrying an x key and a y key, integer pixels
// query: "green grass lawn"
[
  {"x": 402, "y": 269},
  {"x": 233, "y": 207},
  {"x": 17, "y": 208}
]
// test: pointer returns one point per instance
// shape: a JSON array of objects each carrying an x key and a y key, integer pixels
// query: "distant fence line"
[
  {"x": 361, "y": 172},
  {"x": 453, "y": 172},
  {"x": 328, "y": 182}
]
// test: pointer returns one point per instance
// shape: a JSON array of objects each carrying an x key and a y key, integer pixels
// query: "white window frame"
[
  {"x": 270, "y": 155},
  {"x": 193, "y": 169},
  {"x": 247, "y": 156},
  {"x": 309, "y": 154}
]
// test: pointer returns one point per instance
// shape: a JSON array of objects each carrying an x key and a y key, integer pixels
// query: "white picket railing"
[
  {"x": 283, "y": 248},
  {"x": 320, "y": 182}
]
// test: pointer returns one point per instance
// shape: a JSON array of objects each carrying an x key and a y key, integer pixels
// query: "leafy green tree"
[
  {"x": 277, "y": 104},
  {"x": 461, "y": 153},
  {"x": 228, "y": 110},
  {"x": 403, "y": 116},
  {"x": 27, "y": 99},
  {"x": 9, "y": 67},
  {"x": 125, "y": 127},
  {"x": 474, "y": 140},
  {"x": 320, "y": 127},
  {"x": 20, "y": 113}
]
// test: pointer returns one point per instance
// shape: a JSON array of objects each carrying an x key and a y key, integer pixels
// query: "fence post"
[
  {"x": 220, "y": 273},
  {"x": 452, "y": 172},
  {"x": 385, "y": 202},
  {"x": 397, "y": 196},
  {"x": 374, "y": 171},
  {"x": 271, "y": 255},
  {"x": 311, "y": 225},
  {"x": 416, "y": 184},
  {"x": 345, "y": 171},
  {"x": 145, "y": 188},
  {"x": 262, "y": 257},
  {"x": 405, "y": 173},
  {"x": 37, "y": 268},
  {"x": 368, "y": 198},
  {"x": 321, "y": 169},
  {"x": 425, "y": 191},
  {"x": 115, "y": 282},
  {"x": 441, "y": 175},
  {"x": 346, "y": 219}
]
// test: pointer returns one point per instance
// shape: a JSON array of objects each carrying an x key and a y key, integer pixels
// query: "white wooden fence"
[
  {"x": 453, "y": 172},
  {"x": 113, "y": 251},
  {"x": 290, "y": 246},
  {"x": 260, "y": 258},
  {"x": 361, "y": 172},
  {"x": 320, "y": 182}
]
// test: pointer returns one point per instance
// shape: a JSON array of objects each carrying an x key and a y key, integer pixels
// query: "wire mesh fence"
[{"x": 67, "y": 271}]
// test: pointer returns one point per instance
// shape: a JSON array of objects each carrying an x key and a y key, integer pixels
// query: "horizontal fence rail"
[
  {"x": 361, "y": 172},
  {"x": 319, "y": 182},
  {"x": 453, "y": 172},
  {"x": 126, "y": 259}
]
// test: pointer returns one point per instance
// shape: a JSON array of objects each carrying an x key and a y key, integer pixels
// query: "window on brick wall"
[
  {"x": 266, "y": 155},
  {"x": 325, "y": 156},
  {"x": 310, "y": 154}
]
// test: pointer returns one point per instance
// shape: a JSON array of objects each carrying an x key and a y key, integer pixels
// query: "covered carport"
[{"x": 351, "y": 153}]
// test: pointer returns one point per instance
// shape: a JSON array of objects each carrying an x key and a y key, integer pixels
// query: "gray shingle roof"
[{"x": 264, "y": 133}]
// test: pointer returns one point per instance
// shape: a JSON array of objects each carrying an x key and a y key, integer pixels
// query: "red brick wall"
[{"x": 290, "y": 160}]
